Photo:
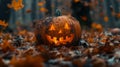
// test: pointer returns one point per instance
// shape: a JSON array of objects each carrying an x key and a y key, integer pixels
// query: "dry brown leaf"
[{"x": 3, "y": 23}]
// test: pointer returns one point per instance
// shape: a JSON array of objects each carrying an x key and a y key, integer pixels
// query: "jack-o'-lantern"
[{"x": 61, "y": 30}]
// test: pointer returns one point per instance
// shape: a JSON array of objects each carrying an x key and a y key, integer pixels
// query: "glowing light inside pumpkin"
[
  {"x": 60, "y": 32},
  {"x": 52, "y": 28},
  {"x": 67, "y": 26},
  {"x": 61, "y": 40}
]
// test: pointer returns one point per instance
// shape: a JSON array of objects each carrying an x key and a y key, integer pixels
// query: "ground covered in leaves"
[{"x": 95, "y": 49}]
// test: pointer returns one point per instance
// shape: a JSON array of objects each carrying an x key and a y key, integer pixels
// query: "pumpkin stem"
[{"x": 58, "y": 12}]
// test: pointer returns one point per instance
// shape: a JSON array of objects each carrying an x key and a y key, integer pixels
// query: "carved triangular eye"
[
  {"x": 67, "y": 26},
  {"x": 51, "y": 27}
]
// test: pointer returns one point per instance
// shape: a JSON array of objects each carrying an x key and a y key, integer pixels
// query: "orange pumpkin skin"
[{"x": 58, "y": 31}]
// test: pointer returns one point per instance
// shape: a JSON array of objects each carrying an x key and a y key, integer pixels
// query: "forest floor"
[{"x": 95, "y": 49}]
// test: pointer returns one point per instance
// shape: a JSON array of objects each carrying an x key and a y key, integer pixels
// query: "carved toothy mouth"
[{"x": 61, "y": 40}]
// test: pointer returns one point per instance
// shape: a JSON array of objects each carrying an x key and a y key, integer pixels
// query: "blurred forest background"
[{"x": 104, "y": 12}]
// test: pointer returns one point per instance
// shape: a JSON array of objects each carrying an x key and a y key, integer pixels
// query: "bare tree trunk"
[
  {"x": 5, "y": 12},
  {"x": 49, "y": 8}
]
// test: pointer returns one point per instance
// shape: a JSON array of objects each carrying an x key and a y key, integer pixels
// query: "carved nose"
[{"x": 60, "y": 31}]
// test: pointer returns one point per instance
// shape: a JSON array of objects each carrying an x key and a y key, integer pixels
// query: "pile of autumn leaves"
[
  {"x": 15, "y": 50},
  {"x": 95, "y": 49}
]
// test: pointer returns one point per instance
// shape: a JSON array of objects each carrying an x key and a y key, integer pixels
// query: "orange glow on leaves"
[
  {"x": 6, "y": 46},
  {"x": 90, "y": 40}
]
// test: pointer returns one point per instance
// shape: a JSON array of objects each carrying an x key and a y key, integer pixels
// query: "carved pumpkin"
[{"x": 61, "y": 30}]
